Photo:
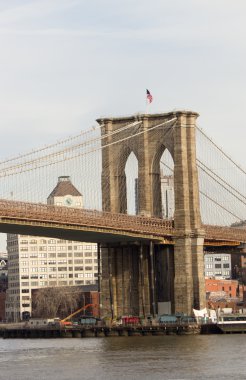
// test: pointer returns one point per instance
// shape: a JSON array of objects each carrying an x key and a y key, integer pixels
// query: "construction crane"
[{"x": 78, "y": 311}]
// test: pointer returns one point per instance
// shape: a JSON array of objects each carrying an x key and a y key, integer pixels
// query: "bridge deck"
[{"x": 92, "y": 225}]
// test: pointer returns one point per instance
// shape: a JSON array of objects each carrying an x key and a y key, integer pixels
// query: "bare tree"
[{"x": 55, "y": 302}]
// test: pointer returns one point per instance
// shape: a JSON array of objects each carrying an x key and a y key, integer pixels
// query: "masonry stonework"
[{"x": 127, "y": 274}]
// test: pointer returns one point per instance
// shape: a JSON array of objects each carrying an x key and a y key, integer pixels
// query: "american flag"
[{"x": 149, "y": 96}]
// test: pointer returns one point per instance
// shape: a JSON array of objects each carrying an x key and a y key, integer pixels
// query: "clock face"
[{"x": 68, "y": 201}]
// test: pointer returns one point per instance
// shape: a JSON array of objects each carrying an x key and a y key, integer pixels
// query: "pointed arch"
[
  {"x": 124, "y": 181},
  {"x": 123, "y": 156},
  {"x": 131, "y": 172},
  {"x": 161, "y": 183}
]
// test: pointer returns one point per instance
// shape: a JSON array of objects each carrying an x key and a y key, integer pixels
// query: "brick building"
[{"x": 223, "y": 288}]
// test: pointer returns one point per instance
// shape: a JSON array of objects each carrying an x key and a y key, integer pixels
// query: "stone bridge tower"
[{"x": 174, "y": 131}]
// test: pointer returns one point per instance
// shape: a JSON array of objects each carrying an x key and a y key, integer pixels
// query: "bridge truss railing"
[{"x": 12, "y": 210}]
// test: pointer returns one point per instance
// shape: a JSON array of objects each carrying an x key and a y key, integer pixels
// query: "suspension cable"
[
  {"x": 217, "y": 147},
  {"x": 208, "y": 197},
  {"x": 224, "y": 187},
  {"x": 218, "y": 204},
  {"x": 71, "y": 138},
  {"x": 68, "y": 149},
  {"x": 90, "y": 151}
]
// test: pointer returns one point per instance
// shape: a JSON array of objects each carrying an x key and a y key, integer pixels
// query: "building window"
[
  {"x": 79, "y": 275},
  {"x": 79, "y": 269},
  {"x": 24, "y": 242},
  {"x": 24, "y": 270},
  {"x": 24, "y": 255},
  {"x": 64, "y": 261},
  {"x": 52, "y": 283},
  {"x": 42, "y": 255},
  {"x": 78, "y": 254},
  {"x": 61, "y": 254},
  {"x": 51, "y": 241},
  {"x": 78, "y": 261}
]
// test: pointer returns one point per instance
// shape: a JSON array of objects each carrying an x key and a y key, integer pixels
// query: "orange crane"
[{"x": 65, "y": 320}]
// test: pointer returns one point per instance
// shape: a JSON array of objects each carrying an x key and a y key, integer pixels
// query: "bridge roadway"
[{"x": 103, "y": 227}]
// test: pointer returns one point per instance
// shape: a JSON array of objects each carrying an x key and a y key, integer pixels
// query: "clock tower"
[{"x": 65, "y": 194}]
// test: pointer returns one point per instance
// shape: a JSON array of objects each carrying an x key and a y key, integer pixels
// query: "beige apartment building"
[{"x": 37, "y": 262}]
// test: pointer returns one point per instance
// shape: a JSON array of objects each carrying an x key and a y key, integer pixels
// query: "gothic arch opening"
[
  {"x": 163, "y": 183},
  {"x": 131, "y": 173},
  {"x": 167, "y": 185}
]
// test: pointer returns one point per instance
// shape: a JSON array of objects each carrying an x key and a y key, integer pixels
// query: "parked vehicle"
[
  {"x": 166, "y": 319},
  {"x": 43, "y": 322},
  {"x": 87, "y": 320},
  {"x": 130, "y": 320},
  {"x": 188, "y": 319}
]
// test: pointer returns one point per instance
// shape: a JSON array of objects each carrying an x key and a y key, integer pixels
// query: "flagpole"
[{"x": 146, "y": 107}]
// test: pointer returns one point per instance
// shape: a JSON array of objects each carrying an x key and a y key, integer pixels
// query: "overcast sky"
[{"x": 63, "y": 63}]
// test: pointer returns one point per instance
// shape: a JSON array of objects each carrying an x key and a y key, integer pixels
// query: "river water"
[{"x": 159, "y": 357}]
